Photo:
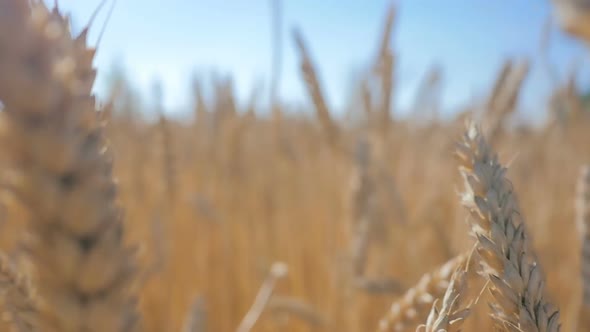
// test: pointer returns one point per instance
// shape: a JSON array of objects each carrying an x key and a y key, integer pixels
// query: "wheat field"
[{"x": 237, "y": 221}]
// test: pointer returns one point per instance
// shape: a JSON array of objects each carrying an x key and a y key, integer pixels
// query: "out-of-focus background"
[
  {"x": 320, "y": 134},
  {"x": 469, "y": 41}
]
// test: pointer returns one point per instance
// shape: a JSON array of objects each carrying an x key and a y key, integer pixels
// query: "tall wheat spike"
[
  {"x": 502, "y": 101},
  {"x": 428, "y": 96},
  {"x": 517, "y": 282},
  {"x": 61, "y": 171},
  {"x": 383, "y": 67},
  {"x": 500, "y": 82},
  {"x": 167, "y": 147},
  {"x": 277, "y": 53}
]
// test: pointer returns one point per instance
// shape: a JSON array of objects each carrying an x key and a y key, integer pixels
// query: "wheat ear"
[
  {"x": 18, "y": 298},
  {"x": 314, "y": 89},
  {"x": 383, "y": 67},
  {"x": 502, "y": 102},
  {"x": 453, "y": 311},
  {"x": 517, "y": 283},
  {"x": 61, "y": 171},
  {"x": 413, "y": 307}
]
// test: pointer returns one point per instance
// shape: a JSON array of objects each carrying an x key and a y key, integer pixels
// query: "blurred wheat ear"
[
  {"x": 414, "y": 306},
  {"x": 574, "y": 17},
  {"x": 60, "y": 169},
  {"x": 510, "y": 264}
]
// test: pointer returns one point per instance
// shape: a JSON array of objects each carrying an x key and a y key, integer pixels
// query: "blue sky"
[{"x": 470, "y": 39}]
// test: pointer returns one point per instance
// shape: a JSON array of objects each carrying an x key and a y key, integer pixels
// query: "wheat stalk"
[
  {"x": 168, "y": 159},
  {"x": 277, "y": 54},
  {"x": 502, "y": 102},
  {"x": 200, "y": 110},
  {"x": 297, "y": 308},
  {"x": 277, "y": 271},
  {"x": 378, "y": 286},
  {"x": 61, "y": 170},
  {"x": 517, "y": 283},
  {"x": 196, "y": 319},
  {"x": 383, "y": 67}
]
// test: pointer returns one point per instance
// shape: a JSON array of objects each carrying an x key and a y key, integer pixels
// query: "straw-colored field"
[{"x": 235, "y": 221}]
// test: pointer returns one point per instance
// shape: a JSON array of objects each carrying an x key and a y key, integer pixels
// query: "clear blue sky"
[{"x": 469, "y": 38}]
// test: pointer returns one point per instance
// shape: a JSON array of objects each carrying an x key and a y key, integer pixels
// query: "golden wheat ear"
[
  {"x": 314, "y": 89},
  {"x": 297, "y": 308},
  {"x": 451, "y": 314},
  {"x": 517, "y": 282},
  {"x": 413, "y": 307},
  {"x": 60, "y": 169}
]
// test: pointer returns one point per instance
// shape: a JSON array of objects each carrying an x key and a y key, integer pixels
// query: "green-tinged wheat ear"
[
  {"x": 61, "y": 171},
  {"x": 517, "y": 282}
]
